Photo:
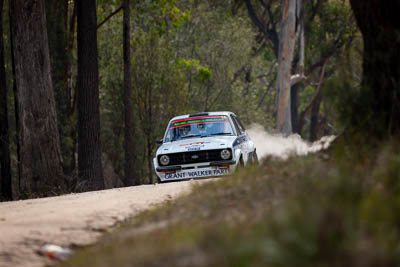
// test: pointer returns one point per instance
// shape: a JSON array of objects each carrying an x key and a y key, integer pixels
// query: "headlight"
[
  {"x": 164, "y": 160},
  {"x": 225, "y": 154}
]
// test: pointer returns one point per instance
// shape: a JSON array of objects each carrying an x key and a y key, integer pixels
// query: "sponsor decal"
[
  {"x": 198, "y": 120},
  {"x": 195, "y": 143},
  {"x": 175, "y": 175},
  {"x": 194, "y": 174},
  {"x": 195, "y": 146}
]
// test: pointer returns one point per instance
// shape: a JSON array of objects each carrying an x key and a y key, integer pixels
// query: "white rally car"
[{"x": 203, "y": 145}]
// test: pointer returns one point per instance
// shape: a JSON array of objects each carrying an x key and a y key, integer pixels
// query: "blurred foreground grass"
[{"x": 335, "y": 209}]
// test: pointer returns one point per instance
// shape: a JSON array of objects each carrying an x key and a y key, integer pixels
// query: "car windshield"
[{"x": 198, "y": 127}]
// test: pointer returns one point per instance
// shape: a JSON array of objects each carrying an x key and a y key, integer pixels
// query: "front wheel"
[
  {"x": 240, "y": 164},
  {"x": 254, "y": 158}
]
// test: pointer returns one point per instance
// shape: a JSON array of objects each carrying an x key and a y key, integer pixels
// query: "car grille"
[{"x": 194, "y": 157}]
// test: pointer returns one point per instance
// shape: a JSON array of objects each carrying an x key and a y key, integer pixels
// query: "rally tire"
[
  {"x": 241, "y": 164},
  {"x": 254, "y": 158}
]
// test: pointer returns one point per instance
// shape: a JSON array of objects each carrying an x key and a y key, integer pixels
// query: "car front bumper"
[{"x": 192, "y": 171}]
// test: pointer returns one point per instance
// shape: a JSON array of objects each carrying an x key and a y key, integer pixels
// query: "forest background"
[{"x": 186, "y": 56}]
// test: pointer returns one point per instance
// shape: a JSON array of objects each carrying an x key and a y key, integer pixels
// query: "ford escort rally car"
[{"x": 203, "y": 145}]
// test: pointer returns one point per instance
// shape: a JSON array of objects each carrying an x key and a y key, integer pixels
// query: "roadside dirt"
[
  {"x": 73, "y": 220},
  {"x": 79, "y": 219}
]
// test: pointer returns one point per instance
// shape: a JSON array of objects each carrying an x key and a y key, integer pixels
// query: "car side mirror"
[{"x": 159, "y": 141}]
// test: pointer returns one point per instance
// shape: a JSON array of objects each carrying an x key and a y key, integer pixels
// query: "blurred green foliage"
[
  {"x": 193, "y": 56},
  {"x": 185, "y": 56},
  {"x": 204, "y": 55},
  {"x": 339, "y": 208}
]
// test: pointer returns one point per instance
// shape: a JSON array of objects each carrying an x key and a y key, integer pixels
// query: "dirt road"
[{"x": 76, "y": 219}]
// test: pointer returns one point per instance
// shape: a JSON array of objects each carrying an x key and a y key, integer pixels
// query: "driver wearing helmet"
[
  {"x": 184, "y": 131},
  {"x": 202, "y": 129}
]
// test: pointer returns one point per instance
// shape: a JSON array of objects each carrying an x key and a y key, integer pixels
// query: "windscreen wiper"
[
  {"x": 190, "y": 135},
  {"x": 221, "y": 134}
]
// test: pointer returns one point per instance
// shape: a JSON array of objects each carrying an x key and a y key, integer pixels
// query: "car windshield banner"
[{"x": 198, "y": 120}]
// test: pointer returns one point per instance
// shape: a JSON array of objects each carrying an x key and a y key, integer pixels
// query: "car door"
[
  {"x": 246, "y": 145},
  {"x": 241, "y": 141}
]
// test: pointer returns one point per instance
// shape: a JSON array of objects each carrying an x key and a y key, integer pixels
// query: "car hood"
[{"x": 193, "y": 144}]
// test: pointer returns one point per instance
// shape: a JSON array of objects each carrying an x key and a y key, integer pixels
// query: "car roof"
[{"x": 213, "y": 113}]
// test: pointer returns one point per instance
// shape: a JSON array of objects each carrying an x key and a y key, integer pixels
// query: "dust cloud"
[{"x": 279, "y": 146}]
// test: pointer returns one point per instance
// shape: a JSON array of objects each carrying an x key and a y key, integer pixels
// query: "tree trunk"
[
  {"x": 150, "y": 159},
  {"x": 5, "y": 175},
  {"x": 68, "y": 68},
  {"x": 57, "y": 33},
  {"x": 16, "y": 109},
  {"x": 129, "y": 148},
  {"x": 315, "y": 116},
  {"x": 295, "y": 87},
  {"x": 379, "y": 23},
  {"x": 300, "y": 33},
  {"x": 286, "y": 51},
  {"x": 149, "y": 133},
  {"x": 301, "y": 119},
  {"x": 294, "y": 97},
  {"x": 89, "y": 148},
  {"x": 39, "y": 149},
  {"x": 71, "y": 90}
]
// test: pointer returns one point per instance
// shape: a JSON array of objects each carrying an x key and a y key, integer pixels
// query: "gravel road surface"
[{"x": 72, "y": 220}]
